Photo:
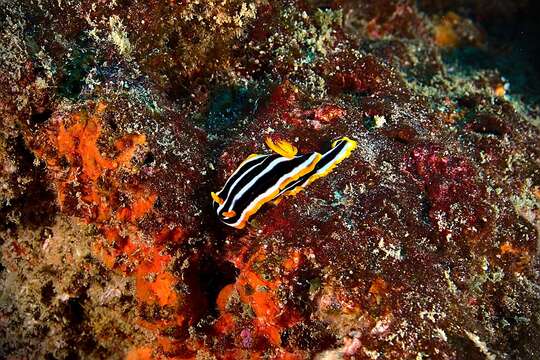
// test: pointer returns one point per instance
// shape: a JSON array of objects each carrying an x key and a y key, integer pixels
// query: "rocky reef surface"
[{"x": 118, "y": 118}]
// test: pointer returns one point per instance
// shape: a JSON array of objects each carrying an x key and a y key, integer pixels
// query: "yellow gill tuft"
[{"x": 282, "y": 147}]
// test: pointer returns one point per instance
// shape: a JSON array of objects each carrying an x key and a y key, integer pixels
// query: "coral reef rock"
[{"x": 118, "y": 118}]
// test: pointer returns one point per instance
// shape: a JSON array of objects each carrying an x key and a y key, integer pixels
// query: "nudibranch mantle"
[{"x": 261, "y": 178}]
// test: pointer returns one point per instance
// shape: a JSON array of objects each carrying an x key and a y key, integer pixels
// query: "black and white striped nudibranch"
[{"x": 270, "y": 177}]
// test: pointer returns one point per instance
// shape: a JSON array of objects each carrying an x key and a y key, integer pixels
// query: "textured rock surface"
[{"x": 118, "y": 119}]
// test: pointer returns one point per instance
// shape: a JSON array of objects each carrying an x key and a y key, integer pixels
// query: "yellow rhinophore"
[
  {"x": 282, "y": 147},
  {"x": 216, "y": 198},
  {"x": 247, "y": 159},
  {"x": 347, "y": 139}
]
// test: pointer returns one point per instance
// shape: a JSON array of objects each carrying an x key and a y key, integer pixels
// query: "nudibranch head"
[{"x": 269, "y": 177}]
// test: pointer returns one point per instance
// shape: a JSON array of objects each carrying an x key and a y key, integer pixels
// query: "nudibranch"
[{"x": 261, "y": 178}]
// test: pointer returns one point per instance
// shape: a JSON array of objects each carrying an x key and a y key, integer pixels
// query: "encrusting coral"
[{"x": 120, "y": 118}]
